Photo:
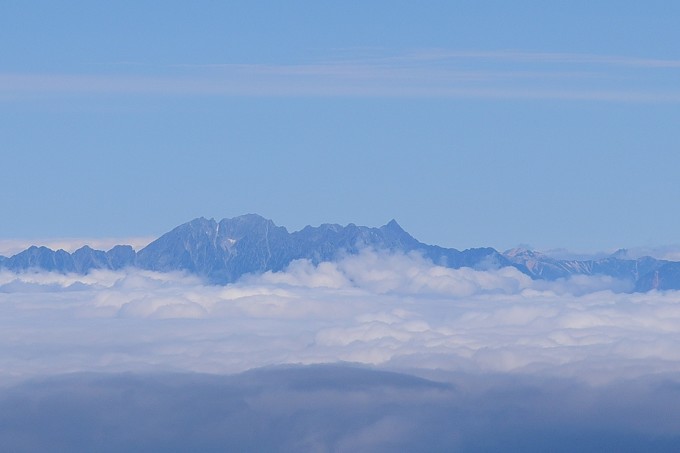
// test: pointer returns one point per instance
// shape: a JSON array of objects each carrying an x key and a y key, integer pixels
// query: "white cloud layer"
[{"x": 392, "y": 310}]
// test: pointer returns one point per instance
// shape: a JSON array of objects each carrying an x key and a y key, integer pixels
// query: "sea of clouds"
[
  {"x": 393, "y": 310},
  {"x": 581, "y": 355}
]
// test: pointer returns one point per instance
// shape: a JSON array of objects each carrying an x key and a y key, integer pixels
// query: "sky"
[{"x": 472, "y": 123}]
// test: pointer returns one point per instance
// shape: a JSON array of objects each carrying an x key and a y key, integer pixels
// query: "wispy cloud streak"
[
  {"x": 436, "y": 73},
  {"x": 542, "y": 57}
]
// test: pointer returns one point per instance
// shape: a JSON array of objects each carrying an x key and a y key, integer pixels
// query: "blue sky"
[{"x": 471, "y": 123}]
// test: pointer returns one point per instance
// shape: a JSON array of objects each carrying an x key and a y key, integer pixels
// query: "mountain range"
[{"x": 221, "y": 252}]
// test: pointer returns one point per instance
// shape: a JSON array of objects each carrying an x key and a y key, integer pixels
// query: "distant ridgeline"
[{"x": 221, "y": 252}]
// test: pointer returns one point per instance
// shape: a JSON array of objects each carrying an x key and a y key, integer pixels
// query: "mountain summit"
[{"x": 221, "y": 252}]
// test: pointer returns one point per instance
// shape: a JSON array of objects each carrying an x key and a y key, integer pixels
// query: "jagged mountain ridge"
[
  {"x": 81, "y": 261},
  {"x": 641, "y": 272},
  {"x": 222, "y": 252}
]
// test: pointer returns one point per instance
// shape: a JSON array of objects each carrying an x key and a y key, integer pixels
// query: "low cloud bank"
[{"x": 393, "y": 310}]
